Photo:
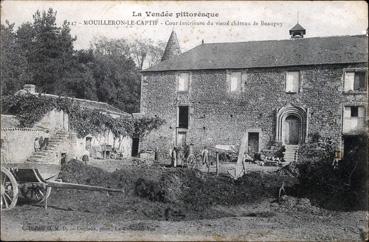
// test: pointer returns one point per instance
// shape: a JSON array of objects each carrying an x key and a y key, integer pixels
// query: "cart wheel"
[
  {"x": 9, "y": 190},
  {"x": 35, "y": 193}
]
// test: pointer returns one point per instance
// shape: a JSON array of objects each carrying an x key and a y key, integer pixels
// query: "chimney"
[
  {"x": 297, "y": 32},
  {"x": 30, "y": 88},
  {"x": 172, "y": 49}
]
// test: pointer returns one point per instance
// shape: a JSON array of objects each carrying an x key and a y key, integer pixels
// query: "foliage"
[
  {"x": 13, "y": 62},
  {"x": 279, "y": 150},
  {"x": 147, "y": 52},
  {"x": 332, "y": 183},
  {"x": 42, "y": 53},
  {"x": 144, "y": 125},
  {"x": 117, "y": 78},
  {"x": 29, "y": 109}
]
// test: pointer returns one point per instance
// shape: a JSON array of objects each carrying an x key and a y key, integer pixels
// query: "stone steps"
[
  {"x": 49, "y": 154},
  {"x": 291, "y": 153}
]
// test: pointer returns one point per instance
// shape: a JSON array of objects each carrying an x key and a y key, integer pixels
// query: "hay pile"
[
  {"x": 77, "y": 172},
  {"x": 195, "y": 190}
]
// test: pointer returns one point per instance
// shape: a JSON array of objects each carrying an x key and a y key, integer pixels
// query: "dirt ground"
[{"x": 175, "y": 204}]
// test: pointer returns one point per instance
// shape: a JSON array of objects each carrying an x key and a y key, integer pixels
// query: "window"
[
  {"x": 353, "y": 118},
  {"x": 355, "y": 81},
  {"x": 235, "y": 84},
  {"x": 354, "y": 111},
  {"x": 183, "y": 82},
  {"x": 183, "y": 117},
  {"x": 292, "y": 81}
]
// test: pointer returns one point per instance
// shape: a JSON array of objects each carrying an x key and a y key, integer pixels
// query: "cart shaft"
[{"x": 76, "y": 186}]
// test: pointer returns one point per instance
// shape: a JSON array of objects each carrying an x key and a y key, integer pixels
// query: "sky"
[{"x": 261, "y": 20}]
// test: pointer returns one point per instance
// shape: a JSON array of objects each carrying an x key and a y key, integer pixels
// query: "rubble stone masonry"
[{"x": 220, "y": 117}]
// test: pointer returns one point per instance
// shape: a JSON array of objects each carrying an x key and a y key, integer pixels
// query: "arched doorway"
[
  {"x": 291, "y": 130},
  {"x": 291, "y": 125}
]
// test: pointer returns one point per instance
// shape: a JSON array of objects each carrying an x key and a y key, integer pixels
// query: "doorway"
[
  {"x": 253, "y": 143},
  {"x": 88, "y": 143},
  {"x": 135, "y": 146},
  {"x": 181, "y": 138},
  {"x": 291, "y": 130}
]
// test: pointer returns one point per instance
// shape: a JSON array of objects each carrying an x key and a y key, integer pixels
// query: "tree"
[
  {"x": 42, "y": 53},
  {"x": 13, "y": 62},
  {"x": 146, "y": 51},
  {"x": 117, "y": 77},
  {"x": 51, "y": 51}
]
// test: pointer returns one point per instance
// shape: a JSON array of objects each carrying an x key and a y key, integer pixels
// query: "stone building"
[
  {"x": 18, "y": 143},
  {"x": 253, "y": 94}
]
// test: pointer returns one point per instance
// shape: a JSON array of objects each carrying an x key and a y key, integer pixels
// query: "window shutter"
[
  {"x": 292, "y": 81},
  {"x": 361, "y": 112},
  {"x": 359, "y": 81},
  {"x": 177, "y": 80},
  {"x": 288, "y": 83},
  {"x": 347, "y": 112},
  {"x": 243, "y": 81},
  {"x": 183, "y": 81},
  {"x": 349, "y": 81}
]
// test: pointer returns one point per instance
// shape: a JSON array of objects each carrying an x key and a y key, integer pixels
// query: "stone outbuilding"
[{"x": 18, "y": 143}]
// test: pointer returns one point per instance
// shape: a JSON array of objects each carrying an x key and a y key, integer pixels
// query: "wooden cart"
[{"x": 34, "y": 182}]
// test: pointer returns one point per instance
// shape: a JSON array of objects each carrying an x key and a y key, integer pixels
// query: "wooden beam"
[{"x": 76, "y": 186}]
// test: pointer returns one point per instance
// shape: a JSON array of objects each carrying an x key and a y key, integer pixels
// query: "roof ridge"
[
  {"x": 273, "y": 40},
  {"x": 270, "y": 53}
]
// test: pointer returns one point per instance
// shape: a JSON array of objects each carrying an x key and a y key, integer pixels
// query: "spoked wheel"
[
  {"x": 35, "y": 193},
  {"x": 9, "y": 190}
]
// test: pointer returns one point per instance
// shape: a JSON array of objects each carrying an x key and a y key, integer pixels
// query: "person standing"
[
  {"x": 205, "y": 157},
  {"x": 173, "y": 156},
  {"x": 36, "y": 145},
  {"x": 41, "y": 142},
  {"x": 180, "y": 156},
  {"x": 46, "y": 139}
]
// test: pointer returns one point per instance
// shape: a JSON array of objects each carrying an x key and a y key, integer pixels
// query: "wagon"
[{"x": 34, "y": 182}]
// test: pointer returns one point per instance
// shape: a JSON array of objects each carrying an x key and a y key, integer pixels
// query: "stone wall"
[
  {"x": 219, "y": 117},
  {"x": 18, "y": 143},
  {"x": 122, "y": 145}
]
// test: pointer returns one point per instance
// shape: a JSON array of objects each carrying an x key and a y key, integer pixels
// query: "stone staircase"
[
  {"x": 291, "y": 153},
  {"x": 47, "y": 156}
]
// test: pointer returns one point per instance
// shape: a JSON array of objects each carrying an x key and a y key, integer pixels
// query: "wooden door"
[
  {"x": 292, "y": 130},
  {"x": 181, "y": 138},
  {"x": 253, "y": 143}
]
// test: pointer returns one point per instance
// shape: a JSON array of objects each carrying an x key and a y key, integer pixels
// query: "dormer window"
[
  {"x": 355, "y": 81},
  {"x": 292, "y": 82},
  {"x": 183, "y": 82}
]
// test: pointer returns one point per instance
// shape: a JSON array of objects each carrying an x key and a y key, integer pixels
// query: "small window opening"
[
  {"x": 354, "y": 111},
  {"x": 183, "y": 117}
]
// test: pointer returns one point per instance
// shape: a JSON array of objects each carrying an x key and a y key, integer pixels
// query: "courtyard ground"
[{"x": 175, "y": 204}]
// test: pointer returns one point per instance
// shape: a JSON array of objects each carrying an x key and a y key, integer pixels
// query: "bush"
[{"x": 339, "y": 186}]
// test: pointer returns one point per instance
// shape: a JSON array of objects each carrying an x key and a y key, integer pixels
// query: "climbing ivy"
[{"x": 30, "y": 109}]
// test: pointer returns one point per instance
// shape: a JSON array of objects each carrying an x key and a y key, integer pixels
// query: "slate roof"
[
  {"x": 172, "y": 49},
  {"x": 270, "y": 53},
  {"x": 297, "y": 27}
]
